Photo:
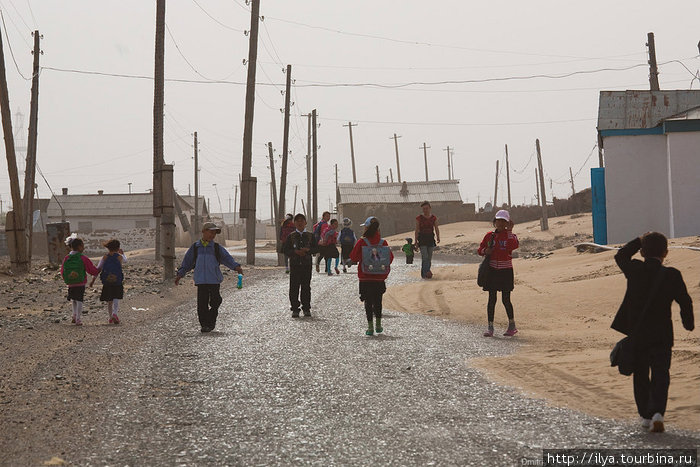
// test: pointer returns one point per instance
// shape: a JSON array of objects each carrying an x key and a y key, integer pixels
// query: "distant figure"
[
  {"x": 205, "y": 256},
  {"x": 425, "y": 238},
  {"x": 651, "y": 287},
  {"x": 347, "y": 240},
  {"x": 74, "y": 270},
  {"x": 373, "y": 256},
  {"x": 286, "y": 228},
  {"x": 329, "y": 250},
  {"x": 409, "y": 250},
  {"x": 112, "y": 277},
  {"x": 317, "y": 231},
  {"x": 300, "y": 247},
  {"x": 498, "y": 245}
]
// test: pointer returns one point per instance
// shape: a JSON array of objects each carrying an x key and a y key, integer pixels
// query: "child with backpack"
[
  {"x": 409, "y": 250},
  {"x": 112, "y": 277},
  {"x": 330, "y": 250},
  {"x": 347, "y": 240},
  {"x": 374, "y": 257},
  {"x": 317, "y": 230},
  {"x": 74, "y": 270},
  {"x": 498, "y": 246}
]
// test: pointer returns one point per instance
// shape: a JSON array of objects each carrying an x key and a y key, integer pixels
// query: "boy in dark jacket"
[
  {"x": 653, "y": 332},
  {"x": 300, "y": 247}
]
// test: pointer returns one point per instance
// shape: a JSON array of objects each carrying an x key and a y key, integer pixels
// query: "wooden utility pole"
[
  {"x": 391, "y": 174},
  {"x": 235, "y": 204},
  {"x": 653, "y": 70},
  {"x": 248, "y": 182},
  {"x": 452, "y": 160},
  {"x": 543, "y": 196},
  {"x": 336, "y": 183},
  {"x": 352, "y": 151},
  {"x": 30, "y": 167},
  {"x": 167, "y": 221},
  {"x": 425, "y": 159},
  {"x": 308, "y": 166},
  {"x": 398, "y": 164},
  {"x": 377, "y": 167},
  {"x": 303, "y": 208},
  {"x": 508, "y": 176},
  {"x": 158, "y": 109},
  {"x": 15, "y": 224},
  {"x": 282, "y": 206},
  {"x": 196, "y": 227},
  {"x": 314, "y": 138},
  {"x": 275, "y": 209},
  {"x": 449, "y": 163},
  {"x": 573, "y": 189},
  {"x": 495, "y": 193},
  {"x": 294, "y": 210},
  {"x": 537, "y": 187}
]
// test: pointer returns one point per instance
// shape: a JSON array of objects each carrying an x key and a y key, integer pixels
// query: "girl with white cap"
[{"x": 498, "y": 245}]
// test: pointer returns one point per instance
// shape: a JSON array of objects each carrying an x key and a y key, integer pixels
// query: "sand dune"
[{"x": 564, "y": 304}]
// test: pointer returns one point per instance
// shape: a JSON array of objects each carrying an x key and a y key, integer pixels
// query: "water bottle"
[{"x": 240, "y": 281}]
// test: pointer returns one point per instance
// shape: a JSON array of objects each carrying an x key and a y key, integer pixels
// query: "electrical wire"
[
  {"x": 216, "y": 20},
  {"x": 461, "y": 123},
  {"x": 20, "y": 16},
  {"x": 9, "y": 44},
  {"x": 31, "y": 12}
]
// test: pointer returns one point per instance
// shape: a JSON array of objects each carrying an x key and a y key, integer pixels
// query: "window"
[{"x": 85, "y": 227}]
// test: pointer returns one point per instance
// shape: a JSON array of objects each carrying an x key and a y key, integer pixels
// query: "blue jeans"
[{"x": 426, "y": 255}]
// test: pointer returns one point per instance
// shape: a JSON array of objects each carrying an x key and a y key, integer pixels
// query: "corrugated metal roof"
[
  {"x": 105, "y": 205},
  {"x": 642, "y": 109},
  {"x": 391, "y": 193}
]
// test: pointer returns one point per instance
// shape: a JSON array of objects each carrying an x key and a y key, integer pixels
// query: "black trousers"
[
  {"x": 371, "y": 293},
  {"x": 300, "y": 278},
  {"x": 208, "y": 302},
  {"x": 651, "y": 395}
]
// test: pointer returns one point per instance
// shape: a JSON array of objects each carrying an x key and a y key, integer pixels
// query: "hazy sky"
[{"x": 95, "y": 132}]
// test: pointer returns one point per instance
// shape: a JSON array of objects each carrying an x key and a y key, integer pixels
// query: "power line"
[
  {"x": 461, "y": 123},
  {"x": 31, "y": 12},
  {"x": 20, "y": 15},
  {"x": 216, "y": 20},
  {"x": 12, "y": 53}
]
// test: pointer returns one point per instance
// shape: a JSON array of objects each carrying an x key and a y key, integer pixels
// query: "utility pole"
[
  {"x": 315, "y": 165},
  {"x": 495, "y": 193},
  {"x": 336, "y": 183},
  {"x": 545, "y": 221},
  {"x": 158, "y": 109},
  {"x": 272, "y": 206},
  {"x": 294, "y": 211},
  {"x": 275, "y": 209},
  {"x": 352, "y": 151},
  {"x": 30, "y": 167},
  {"x": 653, "y": 70},
  {"x": 398, "y": 165},
  {"x": 15, "y": 220},
  {"x": 449, "y": 163},
  {"x": 248, "y": 182},
  {"x": 391, "y": 174},
  {"x": 452, "y": 160},
  {"x": 196, "y": 227},
  {"x": 378, "y": 174},
  {"x": 281, "y": 207},
  {"x": 308, "y": 165},
  {"x": 508, "y": 176},
  {"x": 537, "y": 186},
  {"x": 167, "y": 222},
  {"x": 235, "y": 203},
  {"x": 303, "y": 208},
  {"x": 425, "y": 159},
  {"x": 573, "y": 189}
]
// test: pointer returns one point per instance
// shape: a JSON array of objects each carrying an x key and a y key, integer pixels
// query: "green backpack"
[{"x": 74, "y": 269}]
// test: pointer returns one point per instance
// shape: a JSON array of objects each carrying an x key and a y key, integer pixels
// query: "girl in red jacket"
[
  {"x": 498, "y": 245},
  {"x": 373, "y": 269}
]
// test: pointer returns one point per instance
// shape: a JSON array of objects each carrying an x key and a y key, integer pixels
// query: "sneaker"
[
  {"x": 657, "y": 423},
  {"x": 115, "y": 319},
  {"x": 307, "y": 313},
  {"x": 286, "y": 271},
  {"x": 206, "y": 329},
  {"x": 646, "y": 422},
  {"x": 510, "y": 332},
  {"x": 488, "y": 332},
  {"x": 73, "y": 320},
  {"x": 295, "y": 314},
  {"x": 318, "y": 267},
  {"x": 330, "y": 273},
  {"x": 337, "y": 271},
  {"x": 111, "y": 320},
  {"x": 345, "y": 269},
  {"x": 80, "y": 323}
]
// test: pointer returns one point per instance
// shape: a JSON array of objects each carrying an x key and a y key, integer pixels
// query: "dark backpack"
[
  {"x": 317, "y": 230},
  {"x": 347, "y": 236},
  {"x": 112, "y": 271},
  {"x": 217, "y": 253}
]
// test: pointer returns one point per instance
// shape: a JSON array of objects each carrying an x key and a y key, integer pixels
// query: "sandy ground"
[{"x": 564, "y": 304}]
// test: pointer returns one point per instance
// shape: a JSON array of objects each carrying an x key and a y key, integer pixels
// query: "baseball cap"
[
  {"x": 211, "y": 226},
  {"x": 503, "y": 214},
  {"x": 368, "y": 221}
]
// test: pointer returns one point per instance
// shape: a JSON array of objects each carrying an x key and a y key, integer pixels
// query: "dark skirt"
[
  {"x": 76, "y": 293},
  {"x": 500, "y": 280},
  {"x": 372, "y": 290},
  {"x": 329, "y": 251},
  {"x": 346, "y": 249},
  {"x": 111, "y": 292}
]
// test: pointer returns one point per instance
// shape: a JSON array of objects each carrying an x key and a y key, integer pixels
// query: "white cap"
[{"x": 503, "y": 214}]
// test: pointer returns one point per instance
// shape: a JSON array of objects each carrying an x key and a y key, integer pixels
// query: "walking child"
[
  {"x": 206, "y": 256},
  {"x": 300, "y": 247},
  {"x": 498, "y": 245},
  {"x": 409, "y": 249},
  {"x": 645, "y": 316},
  {"x": 286, "y": 228},
  {"x": 112, "y": 277},
  {"x": 329, "y": 249},
  {"x": 347, "y": 240},
  {"x": 374, "y": 257},
  {"x": 73, "y": 270},
  {"x": 318, "y": 229}
]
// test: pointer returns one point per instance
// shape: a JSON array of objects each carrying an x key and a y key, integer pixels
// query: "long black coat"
[{"x": 656, "y": 327}]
